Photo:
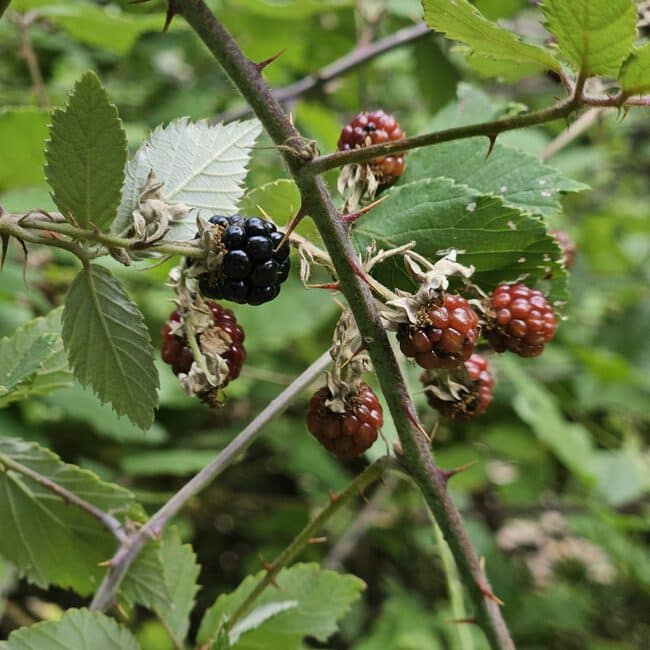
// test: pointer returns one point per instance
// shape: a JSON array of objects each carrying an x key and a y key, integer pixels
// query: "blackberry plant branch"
[
  {"x": 133, "y": 545},
  {"x": 109, "y": 522},
  {"x": 369, "y": 475},
  {"x": 350, "y": 61},
  {"x": 416, "y": 455}
]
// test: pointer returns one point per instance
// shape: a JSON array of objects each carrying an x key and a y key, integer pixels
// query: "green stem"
[{"x": 311, "y": 530}]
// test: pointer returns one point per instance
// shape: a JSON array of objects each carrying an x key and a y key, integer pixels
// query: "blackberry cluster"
[
  {"x": 253, "y": 266},
  {"x": 520, "y": 320},
  {"x": 472, "y": 403},
  {"x": 376, "y": 127},
  {"x": 177, "y": 353},
  {"x": 445, "y": 335},
  {"x": 349, "y": 434}
]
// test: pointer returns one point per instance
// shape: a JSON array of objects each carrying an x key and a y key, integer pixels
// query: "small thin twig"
[
  {"x": 108, "y": 521},
  {"x": 131, "y": 547},
  {"x": 354, "y": 59},
  {"x": 309, "y": 532},
  {"x": 23, "y": 22}
]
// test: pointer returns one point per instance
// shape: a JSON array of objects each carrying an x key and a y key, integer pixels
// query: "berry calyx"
[
  {"x": 176, "y": 350},
  {"x": 346, "y": 435},
  {"x": 252, "y": 266},
  {"x": 520, "y": 320},
  {"x": 471, "y": 394},
  {"x": 567, "y": 246},
  {"x": 375, "y": 127},
  {"x": 444, "y": 336}
]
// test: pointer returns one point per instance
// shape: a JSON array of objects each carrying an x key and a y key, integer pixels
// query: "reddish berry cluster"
[
  {"x": 446, "y": 336},
  {"x": 176, "y": 351},
  {"x": 521, "y": 320},
  {"x": 477, "y": 398},
  {"x": 376, "y": 127},
  {"x": 349, "y": 434}
]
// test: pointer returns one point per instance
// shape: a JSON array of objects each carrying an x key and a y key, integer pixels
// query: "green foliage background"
[{"x": 568, "y": 431}]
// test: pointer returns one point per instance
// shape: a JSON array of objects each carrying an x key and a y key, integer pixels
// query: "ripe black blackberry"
[
  {"x": 253, "y": 267},
  {"x": 520, "y": 320},
  {"x": 445, "y": 335},
  {"x": 465, "y": 404},
  {"x": 375, "y": 127},
  {"x": 349, "y": 434},
  {"x": 177, "y": 352}
]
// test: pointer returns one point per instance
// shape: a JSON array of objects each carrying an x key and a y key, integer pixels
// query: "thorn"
[
  {"x": 397, "y": 448},
  {"x": 334, "y": 286},
  {"x": 351, "y": 217},
  {"x": 262, "y": 64},
  {"x": 268, "y": 566},
  {"x": 412, "y": 416},
  {"x": 316, "y": 540},
  {"x": 362, "y": 494},
  {"x": 123, "y": 613},
  {"x": 464, "y": 620},
  {"x": 481, "y": 563},
  {"x": 487, "y": 592},
  {"x": 293, "y": 224},
  {"x": 332, "y": 496},
  {"x": 171, "y": 12},
  {"x": 357, "y": 270},
  {"x": 353, "y": 355},
  {"x": 45, "y": 213},
  {"x": 493, "y": 138},
  {"x": 449, "y": 473},
  {"x": 106, "y": 563}
]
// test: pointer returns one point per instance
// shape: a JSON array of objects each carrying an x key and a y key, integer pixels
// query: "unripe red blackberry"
[
  {"x": 520, "y": 320},
  {"x": 349, "y": 434},
  {"x": 176, "y": 351},
  {"x": 567, "y": 246},
  {"x": 445, "y": 335},
  {"x": 375, "y": 127},
  {"x": 253, "y": 267},
  {"x": 471, "y": 403}
]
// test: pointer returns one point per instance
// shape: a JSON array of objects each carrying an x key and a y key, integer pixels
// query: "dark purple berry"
[
  {"x": 255, "y": 226},
  {"x": 236, "y": 265},
  {"x": 219, "y": 220},
  {"x": 263, "y": 274},
  {"x": 259, "y": 248},
  {"x": 259, "y": 295},
  {"x": 235, "y": 290},
  {"x": 234, "y": 237}
]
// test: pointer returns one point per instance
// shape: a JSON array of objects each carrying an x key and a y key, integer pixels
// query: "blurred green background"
[{"x": 557, "y": 502}]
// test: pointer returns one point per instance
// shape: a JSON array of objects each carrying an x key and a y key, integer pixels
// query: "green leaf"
[
  {"x": 280, "y": 200},
  {"x": 51, "y": 541},
  {"x": 521, "y": 180},
  {"x": 78, "y": 629},
  {"x": 430, "y": 63},
  {"x": 22, "y": 133},
  {"x": 461, "y": 21},
  {"x": 201, "y": 165},
  {"x": 108, "y": 345},
  {"x": 33, "y": 361},
  {"x": 164, "y": 580},
  {"x": 635, "y": 73},
  {"x": 86, "y": 154},
  {"x": 594, "y": 36},
  {"x": 502, "y": 243},
  {"x": 569, "y": 441},
  {"x": 323, "y": 598}
]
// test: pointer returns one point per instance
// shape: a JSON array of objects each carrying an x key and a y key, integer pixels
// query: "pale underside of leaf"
[
  {"x": 108, "y": 345},
  {"x": 202, "y": 166}
]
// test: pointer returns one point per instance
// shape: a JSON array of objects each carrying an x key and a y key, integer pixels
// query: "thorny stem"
[
  {"x": 131, "y": 547},
  {"x": 108, "y": 521},
  {"x": 310, "y": 531},
  {"x": 352, "y": 60},
  {"x": 417, "y": 458}
]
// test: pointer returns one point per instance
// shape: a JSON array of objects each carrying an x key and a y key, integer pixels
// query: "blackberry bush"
[
  {"x": 375, "y": 127},
  {"x": 253, "y": 267},
  {"x": 346, "y": 435},
  {"x": 520, "y": 320},
  {"x": 445, "y": 334}
]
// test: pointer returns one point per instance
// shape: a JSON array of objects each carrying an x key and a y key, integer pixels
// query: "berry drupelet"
[
  {"x": 177, "y": 352},
  {"x": 520, "y": 320},
  {"x": 253, "y": 266},
  {"x": 346, "y": 435},
  {"x": 471, "y": 403},
  {"x": 376, "y": 127},
  {"x": 445, "y": 335}
]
